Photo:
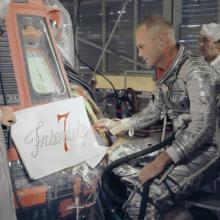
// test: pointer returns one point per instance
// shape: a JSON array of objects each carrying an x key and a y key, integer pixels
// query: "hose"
[
  {"x": 125, "y": 159},
  {"x": 116, "y": 163}
]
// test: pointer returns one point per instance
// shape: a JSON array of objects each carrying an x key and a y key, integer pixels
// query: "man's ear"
[
  {"x": 218, "y": 45},
  {"x": 162, "y": 41}
]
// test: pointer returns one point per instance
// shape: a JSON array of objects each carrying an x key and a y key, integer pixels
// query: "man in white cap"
[{"x": 209, "y": 44}]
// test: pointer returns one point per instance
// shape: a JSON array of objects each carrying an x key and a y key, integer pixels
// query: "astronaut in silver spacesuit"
[{"x": 185, "y": 93}]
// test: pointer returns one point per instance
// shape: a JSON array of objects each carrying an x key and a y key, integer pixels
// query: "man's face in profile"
[
  {"x": 148, "y": 46},
  {"x": 208, "y": 47}
]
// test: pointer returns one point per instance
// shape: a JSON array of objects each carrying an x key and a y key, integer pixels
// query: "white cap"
[
  {"x": 211, "y": 30},
  {"x": 3, "y": 7}
]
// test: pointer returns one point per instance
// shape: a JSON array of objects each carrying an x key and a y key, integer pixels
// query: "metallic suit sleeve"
[
  {"x": 150, "y": 114},
  {"x": 201, "y": 129}
]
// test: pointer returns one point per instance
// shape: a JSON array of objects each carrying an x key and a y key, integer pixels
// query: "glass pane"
[
  {"x": 44, "y": 71},
  {"x": 41, "y": 74}
]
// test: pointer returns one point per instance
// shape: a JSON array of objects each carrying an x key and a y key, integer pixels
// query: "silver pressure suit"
[{"x": 186, "y": 95}]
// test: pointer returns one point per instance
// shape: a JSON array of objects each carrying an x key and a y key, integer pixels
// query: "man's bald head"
[
  {"x": 158, "y": 25},
  {"x": 155, "y": 41}
]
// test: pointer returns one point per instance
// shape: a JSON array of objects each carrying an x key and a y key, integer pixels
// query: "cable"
[
  {"x": 75, "y": 78},
  {"x": 119, "y": 100},
  {"x": 126, "y": 103},
  {"x": 68, "y": 66},
  {"x": 137, "y": 154},
  {"x": 144, "y": 200},
  {"x": 3, "y": 89},
  {"x": 78, "y": 56},
  {"x": 111, "y": 34},
  {"x": 116, "y": 163}
]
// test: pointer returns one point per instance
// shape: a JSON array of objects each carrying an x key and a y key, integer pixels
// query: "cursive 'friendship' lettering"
[{"x": 39, "y": 140}]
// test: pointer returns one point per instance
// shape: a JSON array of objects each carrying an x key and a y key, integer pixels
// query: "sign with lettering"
[{"x": 55, "y": 136}]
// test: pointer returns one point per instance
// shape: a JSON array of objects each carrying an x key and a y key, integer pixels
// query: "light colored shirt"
[
  {"x": 216, "y": 63},
  {"x": 7, "y": 210}
]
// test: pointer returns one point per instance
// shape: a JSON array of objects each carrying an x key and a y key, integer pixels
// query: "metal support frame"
[
  {"x": 135, "y": 55},
  {"x": 104, "y": 31},
  {"x": 172, "y": 10},
  {"x": 111, "y": 35},
  {"x": 110, "y": 52},
  {"x": 168, "y": 10},
  {"x": 177, "y": 17},
  {"x": 218, "y": 18},
  {"x": 76, "y": 44}
]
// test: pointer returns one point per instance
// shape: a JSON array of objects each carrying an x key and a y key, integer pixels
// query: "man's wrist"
[
  {"x": 163, "y": 159},
  {"x": 123, "y": 125}
]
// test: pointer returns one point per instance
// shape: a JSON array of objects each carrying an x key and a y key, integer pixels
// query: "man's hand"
[
  {"x": 154, "y": 168},
  {"x": 105, "y": 124},
  {"x": 7, "y": 116}
]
